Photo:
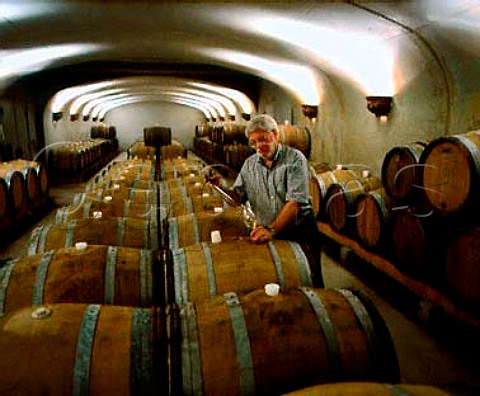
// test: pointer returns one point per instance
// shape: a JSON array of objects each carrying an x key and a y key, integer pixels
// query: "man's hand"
[
  {"x": 213, "y": 178},
  {"x": 261, "y": 234}
]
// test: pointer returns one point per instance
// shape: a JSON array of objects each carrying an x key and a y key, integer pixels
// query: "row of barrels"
[
  {"x": 417, "y": 215},
  {"x": 231, "y": 155},
  {"x": 443, "y": 174},
  {"x": 139, "y": 150},
  {"x": 409, "y": 213},
  {"x": 103, "y": 131},
  {"x": 226, "y": 133},
  {"x": 206, "y": 263},
  {"x": 233, "y": 133},
  {"x": 23, "y": 190},
  {"x": 82, "y": 158},
  {"x": 101, "y": 302},
  {"x": 234, "y": 152}
]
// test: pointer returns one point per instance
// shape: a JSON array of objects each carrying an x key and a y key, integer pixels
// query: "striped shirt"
[{"x": 269, "y": 189}]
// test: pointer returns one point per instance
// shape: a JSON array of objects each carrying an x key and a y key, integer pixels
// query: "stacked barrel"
[
  {"x": 23, "y": 191},
  {"x": 218, "y": 284},
  {"x": 90, "y": 289},
  {"x": 375, "y": 388},
  {"x": 227, "y": 144},
  {"x": 423, "y": 216},
  {"x": 79, "y": 160},
  {"x": 222, "y": 144},
  {"x": 335, "y": 194},
  {"x": 170, "y": 151},
  {"x": 108, "y": 307},
  {"x": 103, "y": 131}
]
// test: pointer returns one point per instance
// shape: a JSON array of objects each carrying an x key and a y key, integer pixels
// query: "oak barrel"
[
  {"x": 172, "y": 169},
  {"x": 295, "y": 136},
  {"x": 183, "y": 205},
  {"x": 97, "y": 274},
  {"x": 120, "y": 194},
  {"x": 119, "y": 231},
  {"x": 17, "y": 191},
  {"x": 109, "y": 183},
  {"x": 462, "y": 267},
  {"x": 79, "y": 349},
  {"x": 319, "y": 184},
  {"x": 372, "y": 223},
  {"x": 450, "y": 176},
  {"x": 194, "y": 228},
  {"x": 139, "y": 150},
  {"x": 31, "y": 181},
  {"x": 254, "y": 344},
  {"x": 173, "y": 150},
  {"x": 236, "y": 154},
  {"x": 375, "y": 389},
  {"x": 401, "y": 170},
  {"x": 5, "y": 207},
  {"x": 233, "y": 132},
  {"x": 418, "y": 243},
  {"x": 340, "y": 201},
  {"x": 117, "y": 208},
  {"x": 208, "y": 269}
]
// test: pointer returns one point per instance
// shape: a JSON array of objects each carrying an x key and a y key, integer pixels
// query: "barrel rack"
[{"x": 422, "y": 302}]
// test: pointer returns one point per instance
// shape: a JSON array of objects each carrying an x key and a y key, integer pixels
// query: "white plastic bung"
[
  {"x": 81, "y": 245},
  {"x": 216, "y": 237},
  {"x": 272, "y": 289}
]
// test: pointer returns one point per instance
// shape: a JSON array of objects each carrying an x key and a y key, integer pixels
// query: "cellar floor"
[{"x": 423, "y": 358}]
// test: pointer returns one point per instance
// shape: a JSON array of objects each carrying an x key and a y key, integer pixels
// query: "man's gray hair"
[{"x": 262, "y": 122}]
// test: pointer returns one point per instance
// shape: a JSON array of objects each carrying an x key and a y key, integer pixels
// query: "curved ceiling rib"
[
  {"x": 84, "y": 98},
  {"x": 229, "y": 106},
  {"x": 290, "y": 46},
  {"x": 101, "y": 110}
]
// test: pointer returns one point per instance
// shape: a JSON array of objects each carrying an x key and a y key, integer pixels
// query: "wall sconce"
[
  {"x": 220, "y": 118},
  {"x": 379, "y": 105},
  {"x": 57, "y": 116},
  {"x": 94, "y": 119},
  {"x": 231, "y": 117},
  {"x": 310, "y": 111},
  {"x": 73, "y": 117},
  {"x": 86, "y": 117},
  {"x": 246, "y": 116},
  {"x": 213, "y": 119},
  {"x": 102, "y": 119}
]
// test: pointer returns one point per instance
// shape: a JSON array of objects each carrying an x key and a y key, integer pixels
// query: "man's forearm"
[{"x": 286, "y": 217}]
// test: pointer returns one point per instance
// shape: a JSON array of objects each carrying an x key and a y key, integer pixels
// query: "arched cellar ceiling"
[{"x": 55, "y": 44}]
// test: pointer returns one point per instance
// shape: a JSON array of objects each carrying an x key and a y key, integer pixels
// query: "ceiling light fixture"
[
  {"x": 310, "y": 111},
  {"x": 379, "y": 105}
]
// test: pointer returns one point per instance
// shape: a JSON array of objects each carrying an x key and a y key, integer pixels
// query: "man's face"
[{"x": 265, "y": 143}]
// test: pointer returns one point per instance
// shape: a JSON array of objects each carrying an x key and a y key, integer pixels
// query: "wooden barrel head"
[
  {"x": 449, "y": 173},
  {"x": 372, "y": 219},
  {"x": 400, "y": 170}
]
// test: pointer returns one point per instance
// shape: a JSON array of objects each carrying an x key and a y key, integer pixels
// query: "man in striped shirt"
[{"x": 275, "y": 180}]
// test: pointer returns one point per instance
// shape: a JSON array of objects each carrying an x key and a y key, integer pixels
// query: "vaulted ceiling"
[{"x": 296, "y": 44}]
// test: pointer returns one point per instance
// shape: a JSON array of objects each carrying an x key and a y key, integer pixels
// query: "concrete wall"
[
  {"x": 345, "y": 132},
  {"x": 129, "y": 122}
]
